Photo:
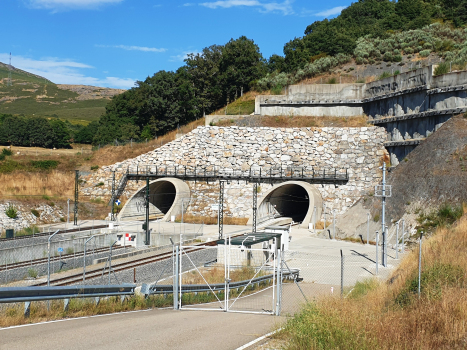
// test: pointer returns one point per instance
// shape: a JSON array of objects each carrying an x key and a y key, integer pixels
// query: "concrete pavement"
[{"x": 154, "y": 329}]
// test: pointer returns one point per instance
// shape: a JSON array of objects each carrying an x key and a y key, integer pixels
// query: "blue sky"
[{"x": 113, "y": 43}]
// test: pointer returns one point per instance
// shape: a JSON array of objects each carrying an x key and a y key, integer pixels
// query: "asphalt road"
[{"x": 154, "y": 329}]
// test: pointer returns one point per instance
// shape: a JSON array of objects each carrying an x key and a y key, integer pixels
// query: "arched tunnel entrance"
[
  {"x": 165, "y": 200},
  {"x": 293, "y": 199}
]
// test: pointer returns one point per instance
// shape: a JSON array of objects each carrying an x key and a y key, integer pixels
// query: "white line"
[
  {"x": 73, "y": 319},
  {"x": 257, "y": 340}
]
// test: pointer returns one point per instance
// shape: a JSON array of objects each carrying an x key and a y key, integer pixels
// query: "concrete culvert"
[
  {"x": 165, "y": 198},
  {"x": 293, "y": 199}
]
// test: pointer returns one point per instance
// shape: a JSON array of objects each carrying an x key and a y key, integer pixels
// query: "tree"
[
  {"x": 203, "y": 72},
  {"x": 61, "y": 134},
  {"x": 41, "y": 133},
  {"x": 240, "y": 64}
]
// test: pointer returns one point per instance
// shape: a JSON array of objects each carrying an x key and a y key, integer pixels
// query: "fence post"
[
  {"x": 397, "y": 240},
  {"x": 175, "y": 282},
  {"x": 314, "y": 220},
  {"x": 279, "y": 281},
  {"x": 342, "y": 274},
  {"x": 420, "y": 263},
  {"x": 403, "y": 234},
  {"x": 334, "y": 224},
  {"x": 368, "y": 228},
  {"x": 377, "y": 234}
]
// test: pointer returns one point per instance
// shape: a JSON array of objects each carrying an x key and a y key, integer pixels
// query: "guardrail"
[
  {"x": 30, "y": 294},
  {"x": 148, "y": 289}
]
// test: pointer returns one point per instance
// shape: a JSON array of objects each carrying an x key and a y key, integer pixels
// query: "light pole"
[{"x": 84, "y": 257}]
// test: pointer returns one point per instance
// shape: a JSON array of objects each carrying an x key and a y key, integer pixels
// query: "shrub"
[
  {"x": 11, "y": 211},
  {"x": 95, "y": 167},
  {"x": 35, "y": 213},
  {"x": 384, "y": 75},
  {"x": 442, "y": 68},
  {"x": 32, "y": 273},
  {"x": 425, "y": 53},
  {"x": 397, "y": 58},
  {"x": 408, "y": 51},
  {"x": 277, "y": 90},
  {"x": 397, "y": 72},
  {"x": 7, "y": 152},
  {"x": 44, "y": 164},
  {"x": 62, "y": 219},
  {"x": 47, "y": 198},
  {"x": 100, "y": 184},
  {"x": 332, "y": 80},
  {"x": 2, "y": 156},
  {"x": 388, "y": 57}
]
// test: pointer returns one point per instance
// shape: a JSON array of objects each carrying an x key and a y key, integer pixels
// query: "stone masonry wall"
[{"x": 357, "y": 150}]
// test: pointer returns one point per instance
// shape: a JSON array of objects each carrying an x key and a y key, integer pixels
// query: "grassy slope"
[
  {"x": 378, "y": 315},
  {"x": 33, "y": 95}
]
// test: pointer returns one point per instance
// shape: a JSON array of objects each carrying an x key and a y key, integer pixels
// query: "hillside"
[{"x": 31, "y": 94}]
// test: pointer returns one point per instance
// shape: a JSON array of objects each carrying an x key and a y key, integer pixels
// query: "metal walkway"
[{"x": 252, "y": 175}]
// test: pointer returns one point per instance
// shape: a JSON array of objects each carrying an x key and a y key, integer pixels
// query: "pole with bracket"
[
  {"x": 48, "y": 259},
  {"x": 255, "y": 206},
  {"x": 221, "y": 208},
  {"x": 75, "y": 212},
  {"x": 383, "y": 218},
  {"x": 114, "y": 197},
  {"x": 84, "y": 257},
  {"x": 148, "y": 236}
]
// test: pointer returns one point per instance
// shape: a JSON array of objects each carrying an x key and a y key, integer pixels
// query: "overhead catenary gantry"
[{"x": 255, "y": 175}]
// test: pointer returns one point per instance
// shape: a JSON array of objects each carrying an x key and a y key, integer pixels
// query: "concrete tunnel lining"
[
  {"x": 294, "y": 199},
  {"x": 165, "y": 195}
]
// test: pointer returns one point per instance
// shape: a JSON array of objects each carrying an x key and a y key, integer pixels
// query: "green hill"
[{"x": 30, "y": 94}]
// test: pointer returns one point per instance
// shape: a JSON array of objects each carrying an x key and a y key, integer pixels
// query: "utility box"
[{"x": 10, "y": 233}]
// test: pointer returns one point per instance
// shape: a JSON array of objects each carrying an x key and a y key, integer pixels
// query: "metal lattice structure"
[
  {"x": 255, "y": 206},
  {"x": 221, "y": 208},
  {"x": 75, "y": 211},
  {"x": 112, "y": 215}
]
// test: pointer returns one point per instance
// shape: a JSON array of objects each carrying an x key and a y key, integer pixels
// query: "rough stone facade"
[
  {"x": 25, "y": 218},
  {"x": 356, "y": 150}
]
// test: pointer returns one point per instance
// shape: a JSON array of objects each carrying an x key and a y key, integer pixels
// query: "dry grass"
[
  {"x": 25, "y": 182},
  {"x": 55, "y": 183},
  {"x": 210, "y": 220},
  {"x": 302, "y": 121},
  {"x": 390, "y": 315},
  {"x": 112, "y": 154},
  {"x": 217, "y": 275},
  {"x": 13, "y": 316},
  {"x": 38, "y": 151}
]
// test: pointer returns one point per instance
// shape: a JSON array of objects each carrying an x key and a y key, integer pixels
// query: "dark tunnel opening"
[
  {"x": 290, "y": 201},
  {"x": 162, "y": 195}
]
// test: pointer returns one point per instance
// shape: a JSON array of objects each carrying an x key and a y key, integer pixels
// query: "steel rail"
[{"x": 77, "y": 277}]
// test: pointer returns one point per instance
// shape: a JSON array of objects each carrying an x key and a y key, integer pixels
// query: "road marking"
[
  {"x": 73, "y": 319},
  {"x": 258, "y": 340}
]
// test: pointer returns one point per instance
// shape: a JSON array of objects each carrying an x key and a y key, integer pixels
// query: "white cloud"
[
  {"x": 134, "y": 48},
  {"x": 284, "y": 7},
  {"x": 70, "y": 4},
  {"x": 188, "y": 4},
  {"x": 331, "y": 12},
  {"x": 64, "y": 71}
]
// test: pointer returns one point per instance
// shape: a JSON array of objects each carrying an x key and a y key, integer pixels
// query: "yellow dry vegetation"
[{"x": 389, "y": 315}]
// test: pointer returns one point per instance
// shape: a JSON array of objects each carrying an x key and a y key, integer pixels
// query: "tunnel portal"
[
  {"x": 293, "y": 199},
  {"x": 165, "y": 197}
]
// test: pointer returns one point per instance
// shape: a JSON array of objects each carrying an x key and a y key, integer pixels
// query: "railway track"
[
  {"x": 34, "y": 262},
  {"x": 46, "y": 234},
  {"x": 117, "y": 267}
]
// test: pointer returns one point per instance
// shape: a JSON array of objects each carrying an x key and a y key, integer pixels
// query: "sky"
[{"x": 113, "y": 43}]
